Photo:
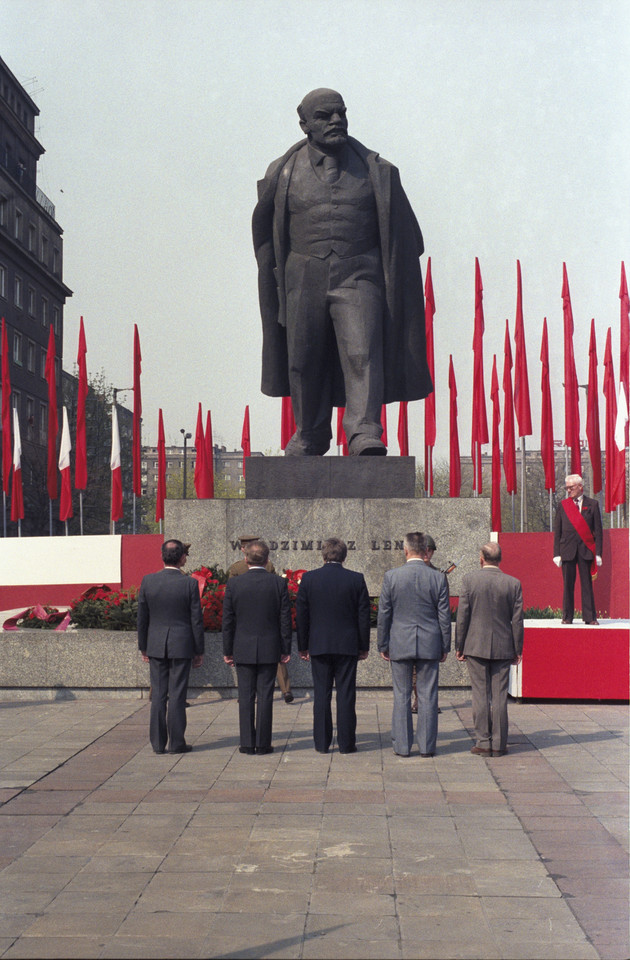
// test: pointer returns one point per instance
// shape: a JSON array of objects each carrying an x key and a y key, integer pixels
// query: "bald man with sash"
[{"x": 577, "y": 543}]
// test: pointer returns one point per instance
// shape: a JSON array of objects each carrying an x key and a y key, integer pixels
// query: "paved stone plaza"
[{"x": 108, "y": 850}]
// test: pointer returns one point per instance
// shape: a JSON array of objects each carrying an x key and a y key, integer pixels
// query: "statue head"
[{"x": 323, "y": 119}]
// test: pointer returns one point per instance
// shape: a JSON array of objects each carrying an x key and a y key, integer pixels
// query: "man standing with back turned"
[
  {"x": 256, "y": 636},
  {"x": 170, "y": 639},
  {"x": 489, "y": 637},
  {"x": 414, "y": 629},
  {"x": 333, "y": 631},
  {"x": 339, "y": 283}
]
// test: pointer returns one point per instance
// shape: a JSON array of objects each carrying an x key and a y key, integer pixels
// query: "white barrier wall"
[{"x": 47, "y": 560}]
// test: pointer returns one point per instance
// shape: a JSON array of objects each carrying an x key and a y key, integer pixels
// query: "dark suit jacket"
[
  {"x": 169, "y": 609},
  {"x": 333, "y": 611},
  {"x": 256, "y": 618},
  {"x": 490, "y": 615},
  {"x": 566, "y": 542}
]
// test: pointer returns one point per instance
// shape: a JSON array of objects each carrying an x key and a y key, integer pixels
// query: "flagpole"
[
  {"x": 550, "y": 511},
  {"x": 4, "y": 512},
  {"x": 513, "y": 513},
  {"x": 66, "y": 523},
  {"x": 81, "y": 511},
  {"x": 523, "y": 486},
  {"x": 50, "y": 518},
  {"x": 134, "y": 512},
  {"x": 19, "y": 528}
]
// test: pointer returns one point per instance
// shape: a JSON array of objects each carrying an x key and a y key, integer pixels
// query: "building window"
[
  {"x": 43, "y": 422},
  {"x": 44, "y": 312},
  {"x": 17, "y": 348},
  {"x": 3, "y": 281},
  {"x": 18, "y": 292},
  {"x": 55, "y": 260},
  {"x": 30, "y": 417},
  {"x": 42, "y": 363},
  {"x": 3, "y": 211},
  {"x": 31, "y": 302},
  {"x": 56, "y": 321},
  {"x": 44, "y": 249},
  {"x": 30, "y": 357},
  {"x": 32, "y": 237},
  {"x": 17, "y": 233},
  {"x": 16, "y": 398}
]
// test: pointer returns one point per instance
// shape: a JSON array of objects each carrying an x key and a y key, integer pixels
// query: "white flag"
[
  {"x": 17, "y": 442},
  {"x": 622, "y": 419},
  {"x": 115, "y": 457},
  {"x": 66, "y": 445}
]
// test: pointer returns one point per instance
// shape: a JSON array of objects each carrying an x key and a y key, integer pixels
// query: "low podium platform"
[{"x": 573, "y": 662}]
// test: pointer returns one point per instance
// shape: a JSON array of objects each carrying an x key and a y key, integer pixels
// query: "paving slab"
[{"x": 110, "y": 851}]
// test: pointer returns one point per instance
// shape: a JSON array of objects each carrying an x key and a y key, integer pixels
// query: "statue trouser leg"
[
  {"x": 357, "y": 315},
  {"x": 311, "y": 349}
]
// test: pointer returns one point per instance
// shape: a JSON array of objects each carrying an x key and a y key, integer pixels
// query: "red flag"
[
  {"x": 521, "y": 380},
  {"x": 614, "y": 486},
  {"x": 455, "y": 472},
  {"x": 479, "y": 418},
  {"x": 624, "y": 340},
  {"x": 384, "y": 423},
  {"x": 17, "y": 494},
  {"x": 592, "y": 414},
  {"x": 202, "y": 485},
  {"x": 287, "y": 422},
  {"x": 53, "y": 423},
  {"x": 6, "y": 411},
  {"x": 546, "y": 415},
  {"x": 137, "y": 413},
  {"x": 403, "y": 429},
  {"x": 571, "y": 406},
  {"x": 342, "y": 440},
  {"x": 160, "y": 495},
  {"x": 429, "y": 403},
  {"x": 80, "y": 459},
  {"x": 245, "y": 438},
  {"x": 209, "y": 456},
  {"x": 496, "y": 449},
  {"x": 65, "y": 498},
  {"x": 116, "y": 468},
  {"x": 509, "y": 453}
]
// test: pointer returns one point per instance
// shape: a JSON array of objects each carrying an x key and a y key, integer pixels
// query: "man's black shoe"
[
  {"x": 185, "y": 749},
  {"x": 260, "y": 750},
  {"x": 351, "y": 750},
  {"x": 288, "y": 697},
  {"x": 248, "y": 750}
]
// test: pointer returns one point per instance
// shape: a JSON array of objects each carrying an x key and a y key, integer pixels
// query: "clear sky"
[{"x": 508, "y": 120}]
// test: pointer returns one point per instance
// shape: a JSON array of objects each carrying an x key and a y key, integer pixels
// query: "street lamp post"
[{"x": 187, "y": 436}]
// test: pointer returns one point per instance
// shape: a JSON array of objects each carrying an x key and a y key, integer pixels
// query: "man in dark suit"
[
  {"x": 414, "y": 628},
  {"x": 170, "y": 639},
  {"x": 256, "y": 635},
  {"x": 577, "y": 542},
  {"x": 489, "y": 637},
  {"x": 333, "y": 630},
  {"x": 240, "y": 567}
]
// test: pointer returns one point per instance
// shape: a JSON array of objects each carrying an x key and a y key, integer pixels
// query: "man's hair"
[
  {"x": 334, "y": 550},
  {"x": 256, "y": 553},
  {"x": 491, "y": 552},
  {"x": 416, "y": 542},
  {"x": 430, "y": 542},
  {"x": 172, "y": 552},
  {"x": 574, "y": 478}
]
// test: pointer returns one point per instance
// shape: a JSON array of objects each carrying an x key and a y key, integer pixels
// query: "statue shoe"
[{"x": 364, "y": 446}]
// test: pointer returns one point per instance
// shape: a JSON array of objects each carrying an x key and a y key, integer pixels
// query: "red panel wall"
[
  {"x": 528, "y": 556},
  {"x": 575, "y": 663},
  {"x": 140, "y": 555}
]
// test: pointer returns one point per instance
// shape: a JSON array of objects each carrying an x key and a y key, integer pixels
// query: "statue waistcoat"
[{"x": 327, "y": 218}]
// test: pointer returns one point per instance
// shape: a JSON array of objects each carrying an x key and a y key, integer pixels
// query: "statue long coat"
[{"x": 404, "y": 343}]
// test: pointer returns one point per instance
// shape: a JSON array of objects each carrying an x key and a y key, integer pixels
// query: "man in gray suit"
[
  {"x": 170, "y": 639},
  {"x": 489, "y": 637},
  {"x": 414, "y": 629}
]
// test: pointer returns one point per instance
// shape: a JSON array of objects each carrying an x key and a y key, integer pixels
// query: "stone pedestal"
[
  {"x": 295, "y": 529},
  {"x": 316, "y": 478}
]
